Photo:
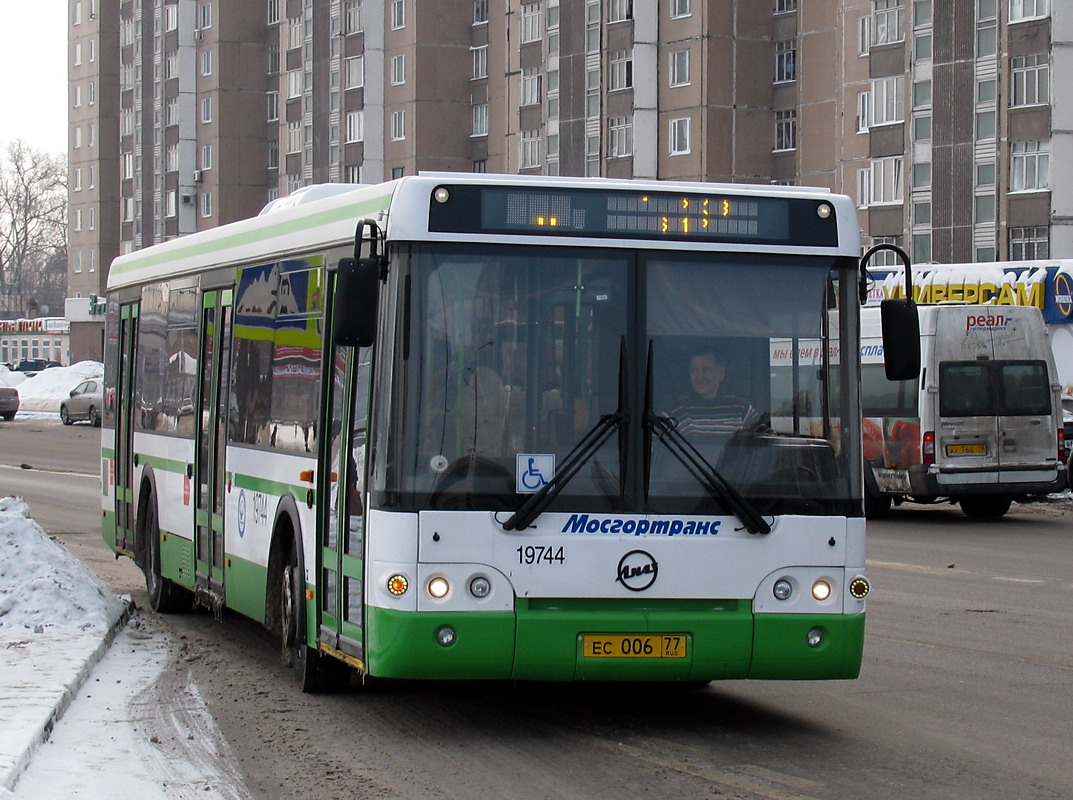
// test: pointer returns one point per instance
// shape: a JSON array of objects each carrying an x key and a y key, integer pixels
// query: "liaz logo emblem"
[{"x": 637, "y": 570}]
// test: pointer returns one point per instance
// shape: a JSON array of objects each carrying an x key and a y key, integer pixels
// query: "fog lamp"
[
  {"x": 815, "y": 637},
  {"x": 859, "y": 588},
  {"x": 398, "y": 584},
  {"x": 438, "y": 587},
  {"x": 821, "y": 590},
  {"x": 480, "y": 586},
  {"x": 446, "y": 635},
  {"x": 782, "y": 589}
]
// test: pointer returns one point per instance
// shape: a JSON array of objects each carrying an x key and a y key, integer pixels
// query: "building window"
[
  {"x": 480, "y": 61},
  {"x": 987, "y": 41},
  {"x": 531, "y": 31},
  {"x": 294, "y": 137},
  {"x": 782, "y": 6},
  {"x": 294, "y": 84},
  {"x": 76, "y": 179},
  {"x": 621, "y": 76},
  {"x": 886, "y": 181},
  {"x": 1027, "y": 9},
  {"x": 206, "y": 63},
  {"x": 206, "y": 204},
  {"x": 888, "y": 21},
  {"x": 886, "y": 258},
  {"x": 206, "y": 109},
  {"x": 679, "y": 8},
  {"x": 530, "y": 152},
  {"x": 1029, "y": 243},
  {"x": 1029, "y": 166},
  {"x": 530, "y": 86},
  {"x": 398, "y": 70},
  {"x": 355, "y": 126},
  {"x": 480, "y": 119},
  {"x": 354, "y": 70},
  {"x": 272, "y": 99},
  {"x": 206, "y": 157},
  {"x": 620, "y": 137},
  {"x": 679, "y": 136},
  {"x": 273, "y": 153},
  {"x": 922, "y": 175},
  {"x": 680, "y": 68},
  {"x": 785, "y": 60},
  {"x": 921, "y": 248},
  {"x": 398, "y": 14},
  {"x": 986, "y": 125},
  {"x": 1030, "y": 80},
  {"x": 786, "y": 129},
  {"x": 273, "y": 12},
  {"x": 78, "y": 54},
  {"x": 985, "y": 209},
  {"x": 480, "y": 12},
  {"x": 619, "y": 10},
  {"x": 398, "y": 125},
  {"x": 887, "y": 104},
  {"x": 352, "y": 18},
  {"x": 864, "y": 114}
]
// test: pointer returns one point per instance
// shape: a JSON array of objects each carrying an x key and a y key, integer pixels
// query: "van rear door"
[{"x": 994, "y": 399}]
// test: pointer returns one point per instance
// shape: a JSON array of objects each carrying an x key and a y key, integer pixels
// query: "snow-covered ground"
[{"x": 44, "y": 391}]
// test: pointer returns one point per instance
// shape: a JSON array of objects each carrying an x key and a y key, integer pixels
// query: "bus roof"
[{"x": 327, "y": 216}]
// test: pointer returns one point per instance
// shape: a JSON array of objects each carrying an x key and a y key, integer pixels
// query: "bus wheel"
[
  {"x": 985, "y": 506},
  {"x": 165, "y": 596},
  {"x": 313, "y": 671},
  {"x": 876, "y": 506}
]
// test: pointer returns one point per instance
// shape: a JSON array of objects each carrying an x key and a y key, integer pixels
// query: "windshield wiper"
[
  {"x": 590, "y": 443},
  {"x": 698, "y": 466}
]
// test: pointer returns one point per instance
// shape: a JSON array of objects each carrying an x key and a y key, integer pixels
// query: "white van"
[{"x": 981, "y": 426}]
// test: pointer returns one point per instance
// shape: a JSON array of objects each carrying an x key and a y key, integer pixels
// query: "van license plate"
[
  {"x": 966, "y": 449},
  {"x": 641, "y": 645}
]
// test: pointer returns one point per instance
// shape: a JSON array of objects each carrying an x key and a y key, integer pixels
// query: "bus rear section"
[{"x": 981, "y": 426}]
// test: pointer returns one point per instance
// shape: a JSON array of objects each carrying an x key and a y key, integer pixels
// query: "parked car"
[
  {"x": 35, "y": 364},
  {"x": 84, "y": 403},
  {"x": 9, "y": 402},
  {"x": 1067, "y": 426}
]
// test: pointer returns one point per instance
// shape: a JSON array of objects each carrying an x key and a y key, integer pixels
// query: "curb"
[{"x": 42, "y": 732}]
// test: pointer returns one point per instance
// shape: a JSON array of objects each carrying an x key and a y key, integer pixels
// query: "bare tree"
[{"x": 33, "y": 230}]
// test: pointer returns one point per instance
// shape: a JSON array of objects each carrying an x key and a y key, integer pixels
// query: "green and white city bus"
[{"x": 432, "y": 428}]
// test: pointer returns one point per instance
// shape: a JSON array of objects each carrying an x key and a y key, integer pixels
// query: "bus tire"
[
  {"x": 985, "y": 506},
  {"x": 313, "y": 671},
  {"x": 165, "y": 596}
]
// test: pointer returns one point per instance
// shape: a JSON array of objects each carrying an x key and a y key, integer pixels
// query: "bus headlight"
[
  {"x": 782, "y": 589},
  {"x": 821, "y": 590},
  {"x": 439, "y": 587},
  {"x": 397, "y": 585}
]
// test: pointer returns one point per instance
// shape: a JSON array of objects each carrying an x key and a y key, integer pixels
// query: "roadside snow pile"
[
  {"x": 48, "y": 388},
  {"x": 42, "y": 586}
]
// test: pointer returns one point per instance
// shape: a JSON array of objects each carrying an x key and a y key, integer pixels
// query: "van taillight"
[
  {"x": 927, "y": 448},
  {"x": 1061, "y": 446}
]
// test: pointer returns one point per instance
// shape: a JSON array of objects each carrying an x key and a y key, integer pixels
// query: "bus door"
[
  {"x": 342, "y": 522},
  {"x": 127, "y": 405},
  {"x": 209, "y": 448}
]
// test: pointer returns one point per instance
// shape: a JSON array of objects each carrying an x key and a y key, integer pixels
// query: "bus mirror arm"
[{"x": 900, "y": 322}]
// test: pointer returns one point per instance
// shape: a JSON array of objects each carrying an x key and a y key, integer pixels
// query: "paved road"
[{"x": 966, "y": 689}]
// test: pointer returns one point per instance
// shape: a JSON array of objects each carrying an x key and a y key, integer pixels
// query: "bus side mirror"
[
  {"x": 357, "y": 284},
  {"x": 901, "y": 339}
]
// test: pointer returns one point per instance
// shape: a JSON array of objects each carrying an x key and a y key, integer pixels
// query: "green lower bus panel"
[
  {"x": 782, "y": 651},
  {"x": 177, "y": 560},
  {"x": 403, "y": 645},
  {"x": 577, "y": 640}
]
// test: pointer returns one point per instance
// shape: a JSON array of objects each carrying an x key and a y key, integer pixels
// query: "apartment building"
[{"x": 939, "y": 117}]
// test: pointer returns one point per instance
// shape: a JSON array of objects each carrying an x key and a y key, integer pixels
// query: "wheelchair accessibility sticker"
[{"x": 532, "y": 471}]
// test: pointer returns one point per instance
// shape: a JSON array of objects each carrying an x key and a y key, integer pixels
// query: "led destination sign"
[{"x": 633, "y": 214}]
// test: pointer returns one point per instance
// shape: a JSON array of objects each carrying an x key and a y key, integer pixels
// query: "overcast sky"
[{"x": 33, "y": 61}]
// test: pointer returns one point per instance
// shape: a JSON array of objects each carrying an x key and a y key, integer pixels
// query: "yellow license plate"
[
  {"x": 636, "y": 645},
  {"x": 966, "y": 449}
]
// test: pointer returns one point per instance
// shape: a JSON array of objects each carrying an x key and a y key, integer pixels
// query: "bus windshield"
[{"x": 510, "y": 356}]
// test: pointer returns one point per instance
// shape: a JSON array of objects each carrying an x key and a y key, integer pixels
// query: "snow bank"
[
  {"x": 47, "y": 389},
  {"x": 42, "y": 586}
]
